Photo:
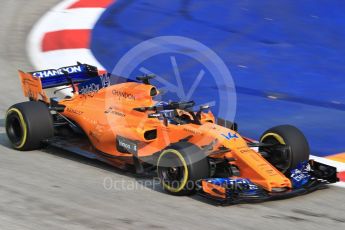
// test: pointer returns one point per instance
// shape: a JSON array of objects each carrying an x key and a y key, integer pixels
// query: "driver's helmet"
[{"x": 167, "y": 113}]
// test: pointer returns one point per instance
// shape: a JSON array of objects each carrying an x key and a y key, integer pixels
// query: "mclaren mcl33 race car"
[{"x": 188, "y": 148}]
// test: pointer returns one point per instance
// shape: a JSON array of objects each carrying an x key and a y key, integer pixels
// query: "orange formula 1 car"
[{"x": 191, "y": 151}]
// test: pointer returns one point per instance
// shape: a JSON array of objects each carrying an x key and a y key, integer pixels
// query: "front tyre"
[
  {"x": 290, "y": 147},
  {"x": 179, "y": 166},
  {"x": 28, "y": 124}
]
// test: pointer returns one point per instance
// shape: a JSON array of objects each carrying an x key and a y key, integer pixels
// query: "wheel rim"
[
  {"x": 280, "y": 159},
  {"x": 172, "y": 170}
]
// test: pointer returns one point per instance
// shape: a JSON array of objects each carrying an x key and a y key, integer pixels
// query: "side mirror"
[
  {"x": 159, "y": 115},
  {"x": 155, "y": 115},
  {"x": 227, "y": 124},
  {"x": 204, "y": 107}
]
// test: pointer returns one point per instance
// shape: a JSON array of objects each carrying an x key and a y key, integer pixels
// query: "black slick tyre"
[
  {"x": 291, "y": 137},
  {"x": 180, "y": 166},
  {"x": 28, "y": 124}
]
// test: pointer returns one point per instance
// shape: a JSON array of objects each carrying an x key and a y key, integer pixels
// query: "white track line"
[
  {"x": 58, "y": 58},
  {"x": 339, "y": 165},
  {"x": 77, "y": 18},
  {"x": 59, "y": 18}
]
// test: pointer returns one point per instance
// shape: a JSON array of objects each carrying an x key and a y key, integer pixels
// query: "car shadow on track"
[
  {"x": 155, "y": 185},
  {"x": 149, "y": 181},
  {"x": 84, "y": 160},
  {"x": 3, "y": 137},
  {"x": 4, "y": 141}
]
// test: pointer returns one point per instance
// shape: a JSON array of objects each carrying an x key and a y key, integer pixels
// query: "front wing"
[{"x": 306, "y": 178}]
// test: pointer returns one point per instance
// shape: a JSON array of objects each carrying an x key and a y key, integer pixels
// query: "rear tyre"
[
  {"x": 291, "y": 137},
  {"x": 180, "y": 166},
  {"x": 28, "y": 124}
]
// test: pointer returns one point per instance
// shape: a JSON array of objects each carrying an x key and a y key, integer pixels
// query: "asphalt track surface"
[{"x": 52, "y": 189}]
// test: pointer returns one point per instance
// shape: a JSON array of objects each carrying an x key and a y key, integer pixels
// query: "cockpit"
[{"x": 177, "y": 113}]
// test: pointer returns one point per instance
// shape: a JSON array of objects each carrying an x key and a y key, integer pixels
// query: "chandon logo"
[
  {"x": 57, "y": 72},
  {"x": 124, "y": 95}
]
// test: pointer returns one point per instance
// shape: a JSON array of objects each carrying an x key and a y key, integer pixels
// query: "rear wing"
[
  {"x": 32, "y": 87},
  {"x": 33, "y": 83},
  {"x": 63, "y": 76}
]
